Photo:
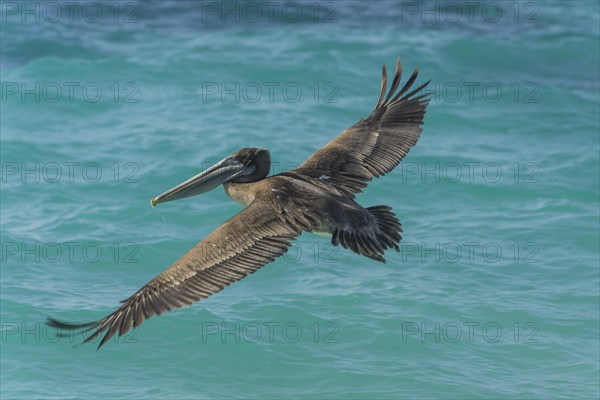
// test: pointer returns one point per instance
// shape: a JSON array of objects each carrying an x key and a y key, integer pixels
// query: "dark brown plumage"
[{"x": 316, "y": 197}]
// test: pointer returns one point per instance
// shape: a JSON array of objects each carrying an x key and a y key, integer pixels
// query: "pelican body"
[{"x": 318, "y": 197}]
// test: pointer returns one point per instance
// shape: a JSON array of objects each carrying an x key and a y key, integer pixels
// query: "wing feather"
[
  {"x": 375, "y": 145},
  {"x": 239, "y": 247}
]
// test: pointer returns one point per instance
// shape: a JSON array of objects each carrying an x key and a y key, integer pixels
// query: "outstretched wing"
[
  {"x": 239, "y": 247},
  {"x": 376, "y": 144}
]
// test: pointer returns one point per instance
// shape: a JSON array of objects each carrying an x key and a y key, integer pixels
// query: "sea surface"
[{"x": 495, "y": 293}]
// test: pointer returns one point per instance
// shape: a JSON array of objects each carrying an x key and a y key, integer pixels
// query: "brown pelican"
[{"x": 316, "y": 197}]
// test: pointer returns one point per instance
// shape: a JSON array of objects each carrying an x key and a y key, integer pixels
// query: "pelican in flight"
[{"x": 318, "y": 196}]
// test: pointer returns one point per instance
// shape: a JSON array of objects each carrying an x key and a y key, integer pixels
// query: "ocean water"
[{"x": 495, "y": 293}]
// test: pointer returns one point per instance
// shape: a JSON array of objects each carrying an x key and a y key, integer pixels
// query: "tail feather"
[
  {"x": 374, "y": 242},
  {"x": 390, "y": 228}
]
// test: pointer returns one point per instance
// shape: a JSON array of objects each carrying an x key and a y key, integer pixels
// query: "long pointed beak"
[{"x": 225, "y": 170}]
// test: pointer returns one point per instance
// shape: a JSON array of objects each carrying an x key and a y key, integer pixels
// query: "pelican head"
[{"x": 243, "y": 166}]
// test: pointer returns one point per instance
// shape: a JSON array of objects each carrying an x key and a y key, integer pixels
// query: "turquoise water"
[{"x": 495, "y": 292}]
